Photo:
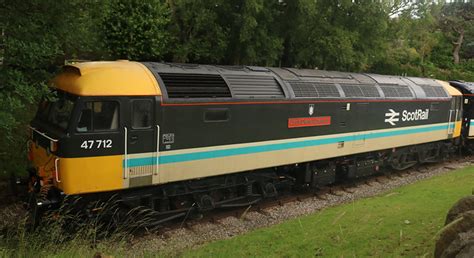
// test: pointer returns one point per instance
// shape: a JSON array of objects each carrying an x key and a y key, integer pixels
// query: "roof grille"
[
  {"x": 314, "y": 90},
  {"x": 396, "y": 91},
  {"x": 186, "y": 85},
  {"x": 254, "y": 86},
  {"x": 432, "y": 91},
  {"x": 362, "y": 90}
]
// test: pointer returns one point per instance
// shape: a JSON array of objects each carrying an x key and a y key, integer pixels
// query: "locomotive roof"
[
  {"x": 107, "y": 79},
  {"x": 192, "y": 82},
  {"x": 464, "y": 87}
]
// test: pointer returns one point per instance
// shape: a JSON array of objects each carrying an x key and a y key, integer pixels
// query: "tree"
[
  {"x": 197, "y": 31},
  {"x": 38, "y": 35},
  {"x": 340, "y": 35},
  {"x": 292, "y": 16},
  {"x": 136, "y": 29},
  {"x": 455, "y": 19},
  {"x": 254, "y": 38}
]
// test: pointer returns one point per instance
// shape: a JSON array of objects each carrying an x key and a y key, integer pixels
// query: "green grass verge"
[{"x": 401, "y": 222}]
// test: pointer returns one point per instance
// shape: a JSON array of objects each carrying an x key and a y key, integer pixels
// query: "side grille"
[
  {"x": 362, "y": 90},
  {"x": 254, "y": 86},
  {"x": 432, "y": 91},
  {"x": 314, "y": 90},
  {"x": 396, "y": 91},
  {"x": 186, "y": 85}
]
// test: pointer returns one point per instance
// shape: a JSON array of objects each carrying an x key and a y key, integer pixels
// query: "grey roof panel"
[
  {"x": 254, "y": 86},
  {"x": 424, "y": 81},
  {"x": 284, "y": 73},
  {"x": 307, "y": 89},
  {"x": 319, "y": 73},
  {"x": 387, "y": 79},
  {"x": 396, "y": 91},
  {"x": 430, "y": 87},
  {"x": 360, "y": 90}
]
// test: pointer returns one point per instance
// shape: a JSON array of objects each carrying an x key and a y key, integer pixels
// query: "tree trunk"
[{"x": 457, "y": 45}]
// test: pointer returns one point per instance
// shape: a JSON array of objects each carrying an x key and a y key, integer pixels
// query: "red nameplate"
[{"x": 309, "y": 121}]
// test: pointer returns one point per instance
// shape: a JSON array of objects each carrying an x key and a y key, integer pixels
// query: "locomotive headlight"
[{"x": 53, "y": 146}]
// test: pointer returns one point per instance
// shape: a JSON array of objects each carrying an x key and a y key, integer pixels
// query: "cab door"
[
  {"x": 142, "y": 145},
  {"x": 454, "y": 116},
  {"x": 359, "y": 122}
]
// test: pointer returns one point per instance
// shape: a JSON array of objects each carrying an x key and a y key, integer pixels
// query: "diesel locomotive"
[{"x": 182, "y": 137}]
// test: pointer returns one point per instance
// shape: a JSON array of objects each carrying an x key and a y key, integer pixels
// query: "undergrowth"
[{"x": 66, "y": 232}]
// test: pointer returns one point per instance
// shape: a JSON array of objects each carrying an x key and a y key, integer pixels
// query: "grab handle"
[
  {"x": 125, "y": 167},
  {"x": 56, "y": 170}
]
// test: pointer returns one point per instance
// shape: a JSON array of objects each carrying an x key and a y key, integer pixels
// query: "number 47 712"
[{"x": 97, "y": 144}]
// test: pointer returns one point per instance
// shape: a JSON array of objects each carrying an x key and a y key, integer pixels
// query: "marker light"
[{"x": 53, "y": 146}]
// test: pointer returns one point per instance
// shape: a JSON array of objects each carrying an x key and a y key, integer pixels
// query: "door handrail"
[
  {"x": 125, "y": 171},
  {"x": 450, "y": 130},
  {"x": 56, "y": 170},
  {"x": 157, "y": 149}
]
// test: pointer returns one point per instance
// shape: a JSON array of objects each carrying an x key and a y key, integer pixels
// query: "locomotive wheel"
[
  {"x": 270, "y": 190},
  {"x": 206, "y": 203}
]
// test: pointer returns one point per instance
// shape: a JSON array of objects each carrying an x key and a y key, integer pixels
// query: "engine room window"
[
  {"x": 98, "y": 116},
  {"x": 216, "y": 115},
  {"x": 142, "y": 114}
]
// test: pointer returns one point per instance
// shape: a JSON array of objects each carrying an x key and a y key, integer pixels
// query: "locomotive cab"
[{"x": 97, "y": 115}]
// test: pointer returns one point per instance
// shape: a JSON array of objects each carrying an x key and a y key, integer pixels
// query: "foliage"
[
  {"x": 339, "y": 35},
  {"x": 253, "y": 35},
  {"x": 38, "y": 36},
  {"x": 456, "y": 19},
  {"x": 135, "y": 29},
  {"x": 54, "y": 237},
  {"x": 197, "y": 31}
]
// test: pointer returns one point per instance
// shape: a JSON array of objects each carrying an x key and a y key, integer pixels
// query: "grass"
[
  {"x": 59, "y": 235},
  {"x": 402, "y": 222}
]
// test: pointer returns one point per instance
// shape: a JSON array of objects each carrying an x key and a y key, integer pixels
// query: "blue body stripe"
[{"x": 148, "y": 161}]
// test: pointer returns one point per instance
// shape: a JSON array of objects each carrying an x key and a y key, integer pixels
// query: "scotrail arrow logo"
[{"x": 392, "y": 117}]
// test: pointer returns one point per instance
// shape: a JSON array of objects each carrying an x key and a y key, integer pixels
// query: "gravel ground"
[{"x": 176, "y": 240}]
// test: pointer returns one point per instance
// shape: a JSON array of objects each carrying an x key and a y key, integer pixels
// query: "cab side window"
[
  {"x": 98, "y": 116},
  {"x": 142, "y": 114}
]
